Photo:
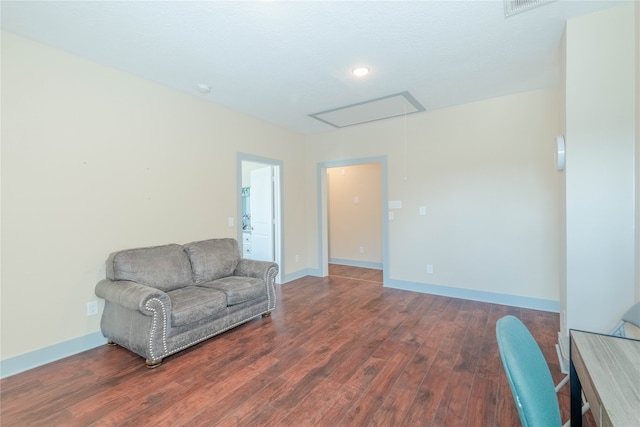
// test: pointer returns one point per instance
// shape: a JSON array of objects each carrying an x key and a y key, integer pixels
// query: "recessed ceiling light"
[
  {"x": 360, "y": 71},
  {"x": 204, "y": 88}
]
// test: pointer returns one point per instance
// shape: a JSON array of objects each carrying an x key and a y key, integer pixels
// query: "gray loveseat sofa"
[{"x": 163, "y": 299}]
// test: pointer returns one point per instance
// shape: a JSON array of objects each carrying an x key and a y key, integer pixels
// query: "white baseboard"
[
  {"x": 562, "y": 350},
  {"x": 297, "y": 275},
  {"x": 475, "y": 295},
  {"x": 355, "y": 263},
  {"x": 24, "y": 362}
]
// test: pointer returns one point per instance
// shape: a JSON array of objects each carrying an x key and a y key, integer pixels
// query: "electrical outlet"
[
  {"x": 361, "y": 249},
  {"x": 297, "y": 258},
  {"x": 92, "y": 308},
  {"x": 230, "y": 221},
  {"x": 430, "y": 268}
]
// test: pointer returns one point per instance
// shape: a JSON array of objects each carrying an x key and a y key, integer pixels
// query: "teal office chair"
[{"x": 528, "y": 374}]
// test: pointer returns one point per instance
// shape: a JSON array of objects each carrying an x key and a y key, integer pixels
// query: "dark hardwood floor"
[
  {"x": 364, "y": 274},
  {"x": 337, "y": 351}
]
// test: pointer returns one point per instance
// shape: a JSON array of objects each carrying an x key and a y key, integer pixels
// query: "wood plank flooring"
[{"x": 337, "y": 351}]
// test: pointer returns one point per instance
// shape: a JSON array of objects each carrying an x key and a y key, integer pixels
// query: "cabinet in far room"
[
  {"x": 246, "y": 222},
  {"x": 246, "y": 244}
]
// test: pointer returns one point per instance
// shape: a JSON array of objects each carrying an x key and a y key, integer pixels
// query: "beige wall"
[
  {"x": 354, "y": 213},
  {"x": 601, "y": 130},
  {"x": 484, "y": 172},
  {"x": 95, "y": 160}
]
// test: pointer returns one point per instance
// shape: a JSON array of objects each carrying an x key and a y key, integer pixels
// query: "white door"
[{"x": 261, "y": 207}]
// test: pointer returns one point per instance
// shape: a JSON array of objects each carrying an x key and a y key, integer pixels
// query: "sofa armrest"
[
  {"x": 264, "y": 270},
  {"x": 131, "y": 295}
]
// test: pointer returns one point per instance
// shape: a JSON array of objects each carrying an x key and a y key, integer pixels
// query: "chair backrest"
[{"x": 528, "y": 374}]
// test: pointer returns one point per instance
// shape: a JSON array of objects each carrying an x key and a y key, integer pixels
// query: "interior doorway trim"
[
  {"x": 278, "y": 206},
  {"x": 323, "y": 229}
]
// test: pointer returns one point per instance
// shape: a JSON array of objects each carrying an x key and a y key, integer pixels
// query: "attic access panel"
[{"x": 386, "y": 107}]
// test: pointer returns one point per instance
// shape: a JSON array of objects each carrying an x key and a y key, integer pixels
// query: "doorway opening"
[
  {"x": 324, "y": 226},
  {"x": 259, "y": 207}
]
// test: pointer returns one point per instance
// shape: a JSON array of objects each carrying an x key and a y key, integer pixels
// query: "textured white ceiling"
[{"x": 281, "y": 61}]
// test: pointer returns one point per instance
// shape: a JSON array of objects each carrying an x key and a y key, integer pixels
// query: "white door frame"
[
  {"x": 277, "y": 204},
  {"x": 323, "y": 200}
]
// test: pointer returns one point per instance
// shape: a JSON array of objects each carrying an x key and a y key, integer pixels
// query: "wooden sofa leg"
[
  {"x": 267, "y": 314},
  {"x": 111, "y": 343},
  {"x": 153, "y": 365}
]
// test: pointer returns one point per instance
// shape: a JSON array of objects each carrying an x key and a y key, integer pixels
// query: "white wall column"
[{"x": 600, "y": 196}]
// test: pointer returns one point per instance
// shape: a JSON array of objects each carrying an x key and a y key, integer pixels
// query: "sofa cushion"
[
  {"x": 213, "y": 259},
  {"x": 194, "y": 303},
  {"x": 164, "y": 267},
  {"x": 239, "y": 289}
]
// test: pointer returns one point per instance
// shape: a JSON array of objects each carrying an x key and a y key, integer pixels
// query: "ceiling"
[{"x": 283, "y": 61}]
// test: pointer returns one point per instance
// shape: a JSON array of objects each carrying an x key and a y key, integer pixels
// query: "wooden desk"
[{"x": 607, "y": 369}]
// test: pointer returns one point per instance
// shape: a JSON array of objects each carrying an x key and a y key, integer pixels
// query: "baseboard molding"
[
  {"x": 475, "y": 295},
  {"x": 24, "y": 362},
  {"x": 355, "y": 263},
  {"x": 449, "y": 291},
  {"x": 296, "y": 275}
]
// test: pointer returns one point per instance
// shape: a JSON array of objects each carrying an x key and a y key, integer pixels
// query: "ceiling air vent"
[{"x": 512, "y": 7}]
